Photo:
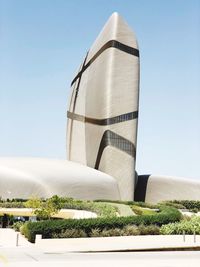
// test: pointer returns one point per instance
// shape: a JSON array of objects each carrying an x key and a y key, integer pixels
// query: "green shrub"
[
  {"x": 130, "y": 230},
  {"x": 70, "y": 233},
  {"x": 195, "y": 210},
  {"x": 23, "y": 228},
  {"x": 137, "y": 210},
  {"x": 16, "y": 226},
  {"x": 149, "y": 229},
  {"x": 189, "y": 227},
  {"x": 130, "y": 203},
  {"x": 188, "y": 204},
  {"x": 173, "y": 204},
  {"x": 142, "y": 211},
  {"x": 96, "y": 232},
  {"x": 111, "y": 232},
  {"x": 49, "y": 227},
  {"x": 125, "y": 231}
]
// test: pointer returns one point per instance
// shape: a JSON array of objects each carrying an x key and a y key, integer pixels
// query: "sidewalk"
[
  {"x": 56, "y": 252},
  {"x": 10, "y": 238}
]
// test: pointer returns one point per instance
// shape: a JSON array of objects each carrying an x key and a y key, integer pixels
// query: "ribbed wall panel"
[{"x": 107, "y": 86}]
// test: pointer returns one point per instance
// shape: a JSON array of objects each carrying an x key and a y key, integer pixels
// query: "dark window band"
[
  {"x": 112, "y": 43},
  {"x": 110, "y": 138},
  {"x": 141, "y": 188},
  {"x": 117, "y": 119}
]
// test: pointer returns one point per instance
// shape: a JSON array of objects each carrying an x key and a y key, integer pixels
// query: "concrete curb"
[{"x": 120, "y": 243}]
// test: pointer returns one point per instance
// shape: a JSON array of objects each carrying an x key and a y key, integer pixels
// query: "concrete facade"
[
  {"x": 160, "y": 188},
  {"x": 103, "y": 109},
  {"x": 26, "y": 177}
]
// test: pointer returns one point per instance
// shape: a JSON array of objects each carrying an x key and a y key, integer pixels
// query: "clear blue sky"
[{"x": 41, "y": 46}]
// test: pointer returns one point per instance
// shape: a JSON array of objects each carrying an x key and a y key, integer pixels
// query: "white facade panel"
[
  {"x": 27, "y": 177},
  {"x": 109, "y": 84},
  {"x": 160, "y": 188}
]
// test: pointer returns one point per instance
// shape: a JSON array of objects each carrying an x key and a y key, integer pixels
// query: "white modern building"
[{"x": 101, "y": 134}]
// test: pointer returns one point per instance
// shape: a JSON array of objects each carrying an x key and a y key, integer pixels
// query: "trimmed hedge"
[
  {"x": 49, "y": 228},
  {"x": 189, "y": 204},
  {"x": 178, "y": 228},
  {"x": 130, "y": 203}
]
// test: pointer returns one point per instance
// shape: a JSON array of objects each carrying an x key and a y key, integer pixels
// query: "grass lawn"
[{"x": 142, "y": 211}]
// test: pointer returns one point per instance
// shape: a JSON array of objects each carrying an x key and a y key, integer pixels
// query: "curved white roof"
[
  {"x": 26, "y": 177},
  {"x": 160, "y": 188}
]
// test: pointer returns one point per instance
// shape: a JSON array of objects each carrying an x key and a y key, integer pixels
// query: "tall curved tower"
[{"x": 103, "y": 109}]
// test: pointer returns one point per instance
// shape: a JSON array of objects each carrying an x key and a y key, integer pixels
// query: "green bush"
[
  {"x": 16, "y": 226},
  {"x": 125, "y": 231},
  {"x": 173, "y": 204},
  {"x": 188, "y": 204},
  {"x": 49, "y": 227},
  {"x": 128, "y": 230},
  {"x": 131, "y": 230},
  {"x": 137, "y": 210},
  {"x": 96, "y": 232},
  {"x": 130, "y": 203},
  {"x": 142, "y": 210},
  {"x": 189, "y": 227},
  {"x": 23, "y": 228},
  {"x": 70, "y": 233},
  {"x": 195, "y": 210},
  {"x": 111, "y": 232},
  {"x": 149, "y": 229}
]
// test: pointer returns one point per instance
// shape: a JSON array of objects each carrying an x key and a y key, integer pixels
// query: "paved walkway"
[
  {"x": 26, "y": 257},
  {"x": 27, "y": 254},
  {"x": 10, "y": 238}
]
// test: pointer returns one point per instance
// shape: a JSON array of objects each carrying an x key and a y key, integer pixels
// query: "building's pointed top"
[
  {"x": 114, "y": 14},
  {"x": 114, "y": 29}
]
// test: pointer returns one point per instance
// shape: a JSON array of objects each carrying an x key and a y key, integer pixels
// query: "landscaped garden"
[{"x": 113, "y": 218}]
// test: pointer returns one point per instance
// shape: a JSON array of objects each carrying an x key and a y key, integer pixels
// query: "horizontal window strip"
[
  {"x": 112, "y": 43},
  {"x": 103, "y": 122}
]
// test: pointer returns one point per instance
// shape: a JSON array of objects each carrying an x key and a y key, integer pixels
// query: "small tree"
[
  {"x": 45, "y": 209},
  {"x": 33, "y": 203}
]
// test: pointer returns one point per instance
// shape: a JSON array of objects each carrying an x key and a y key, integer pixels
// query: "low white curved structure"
[
  {"x": 156, "y": 188},
  {"x": 26, "y": 177},
  {"x": 161, "y": 188}
]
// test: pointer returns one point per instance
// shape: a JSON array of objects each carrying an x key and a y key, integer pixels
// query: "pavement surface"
[
  {"x": 23, "y": 253},
  {"x": 33, "y": 257}
]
